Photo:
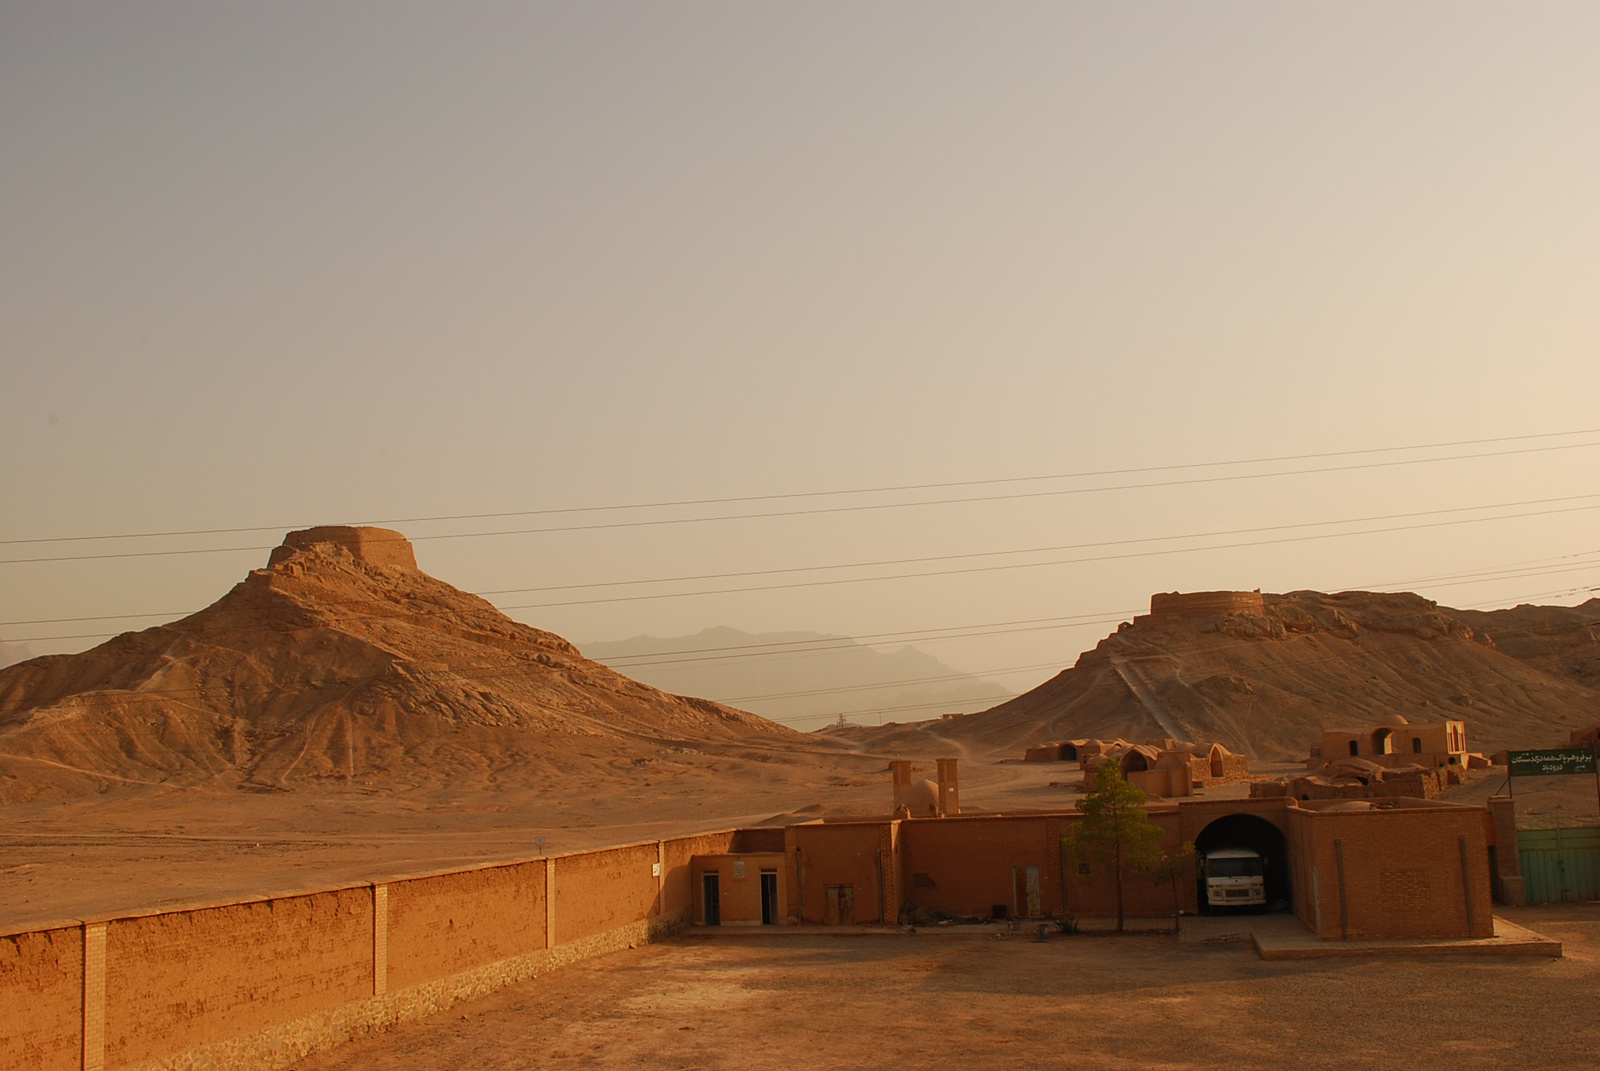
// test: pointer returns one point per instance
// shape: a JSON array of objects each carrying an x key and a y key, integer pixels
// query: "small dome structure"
[
  {"x": 921, "y": 800},
  {"x": 1394, "y": 721},
  {"x": 1138, "y": 757}
]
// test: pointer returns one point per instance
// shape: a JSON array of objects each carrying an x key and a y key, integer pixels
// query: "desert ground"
[
  {"x": 157, "y": 848},
  {"x": 891, "y": 1000},
  {"x": 173, "y": 848}
]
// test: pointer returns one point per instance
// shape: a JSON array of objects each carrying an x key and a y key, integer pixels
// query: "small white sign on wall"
[
  {"x": 655, "y": 870},
  {"x": 738, "y": 868}
]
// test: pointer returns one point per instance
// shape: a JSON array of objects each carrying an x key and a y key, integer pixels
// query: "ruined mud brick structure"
[
  {"x": 1355, "y": 779},
  {"x": 1207, "y": 603},
  {"x": 1395, "y": 741},
  {"x": 381, "y": 546}
]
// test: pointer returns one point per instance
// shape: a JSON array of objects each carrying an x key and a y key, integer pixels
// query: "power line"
[
  {"x": 1012, "y": 566},
  {"x": 1544, "y": 595},
  {"x": 821, "y": 510},
  {"x": 850, "y": 491},
  {"x": 1586, "y": 555},
  {"x": 1043, "y": 550},
  {"x": 917, "y": 560},
  {"x": 1038, "y": 565},
  {"x": 877, "y": 638}
]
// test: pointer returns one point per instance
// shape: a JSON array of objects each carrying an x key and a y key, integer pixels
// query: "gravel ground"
[{"x": 933, "y": 1000}]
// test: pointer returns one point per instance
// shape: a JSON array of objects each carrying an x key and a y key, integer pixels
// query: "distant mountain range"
[{"x": 802, "y": 679}]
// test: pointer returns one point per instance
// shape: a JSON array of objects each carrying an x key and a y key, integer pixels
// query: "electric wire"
[
  {"x": 1039, "y": 565},
  {"x": 818, "y": 511},
  {"x": 923, "y": 559},
  {"x": 857, "y": 491}
]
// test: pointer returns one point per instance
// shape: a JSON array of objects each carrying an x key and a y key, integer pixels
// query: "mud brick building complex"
[{"x": 257, "y": 983}]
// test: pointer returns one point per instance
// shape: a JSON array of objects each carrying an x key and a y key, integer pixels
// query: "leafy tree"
[
  {"x": 1178, "y": 866},
  {"x": 1115, "y": 829}
]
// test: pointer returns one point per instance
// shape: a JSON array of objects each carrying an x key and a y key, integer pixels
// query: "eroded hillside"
[
  {"x": 342, "y": 661},
  {"x": 1265, "y": 674}
]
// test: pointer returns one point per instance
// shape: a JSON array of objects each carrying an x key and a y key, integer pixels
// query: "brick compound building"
[
  {"x": 258, "y": 982},
  {"x": 1349, "y": 869}
]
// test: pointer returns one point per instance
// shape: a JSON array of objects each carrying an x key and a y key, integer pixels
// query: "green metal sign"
[{"x": 1554, "y": 761}]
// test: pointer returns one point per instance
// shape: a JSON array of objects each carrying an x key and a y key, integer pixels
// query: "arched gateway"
[{"x": 1258, "y": 835}]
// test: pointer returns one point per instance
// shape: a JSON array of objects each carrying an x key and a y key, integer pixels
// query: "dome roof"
[
  {"x": 921, "y": 799},
  {"x": 1394, "y": 721}
]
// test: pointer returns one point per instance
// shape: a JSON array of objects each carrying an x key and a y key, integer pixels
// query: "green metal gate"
[{"x": 1560, "y": 865}]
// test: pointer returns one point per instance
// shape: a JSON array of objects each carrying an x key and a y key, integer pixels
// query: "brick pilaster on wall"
[
  {"x": 889, "y": 872},
  {"x": 94, "y": 996},
  {"x": 549, "y": 903},
  {"x": 380, "y": 940}
]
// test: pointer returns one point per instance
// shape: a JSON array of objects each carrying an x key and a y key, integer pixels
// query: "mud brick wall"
[
  {"x": 1403, "y": 873},
  {"x": 261, "y": 983},
  {"x": 739, "y": 885},
  {"x": 186, "y": 978},
  {"x": 843, "y": 853},
  {"x": 963, "y": 866},
  {"x": 677, "y": 874},
  {"x": 41, "y": 999},
  {"x": 600, "y": 891},
  {"x": 440, "y": 925}
]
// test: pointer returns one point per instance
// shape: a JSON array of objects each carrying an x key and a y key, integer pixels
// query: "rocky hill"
[
  {"x": 1561, "y": 640},
  {"x": 1265, "y": 674},
  {"x": 341, "y": 661}
]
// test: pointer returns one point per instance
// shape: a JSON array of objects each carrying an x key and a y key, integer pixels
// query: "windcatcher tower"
[
  {"x": 901, "y": 768},
  {"x": 949, "y": 787}
]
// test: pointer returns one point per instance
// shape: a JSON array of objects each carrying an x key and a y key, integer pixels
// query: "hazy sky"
[{"x": 281, "y": 264}]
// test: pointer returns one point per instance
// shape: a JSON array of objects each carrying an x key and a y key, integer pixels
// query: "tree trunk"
[
  {"x": 1117, "y": 866},
  {"x": 1177, "y": 908}
]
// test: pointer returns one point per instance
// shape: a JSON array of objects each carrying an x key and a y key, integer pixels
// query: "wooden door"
[
  {"x": 839, "y": 905},
  {"x": 1025, "y": 892}
]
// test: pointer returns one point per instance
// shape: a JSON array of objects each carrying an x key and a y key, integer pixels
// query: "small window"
[
  {"x": 1083, "y": 868},
  {"x": 1355, "y": 747},
  {"x": 1416, "y": 745}
]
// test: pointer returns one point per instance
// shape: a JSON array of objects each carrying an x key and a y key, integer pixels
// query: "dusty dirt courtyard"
[{"x": 755, "y": 1002}]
